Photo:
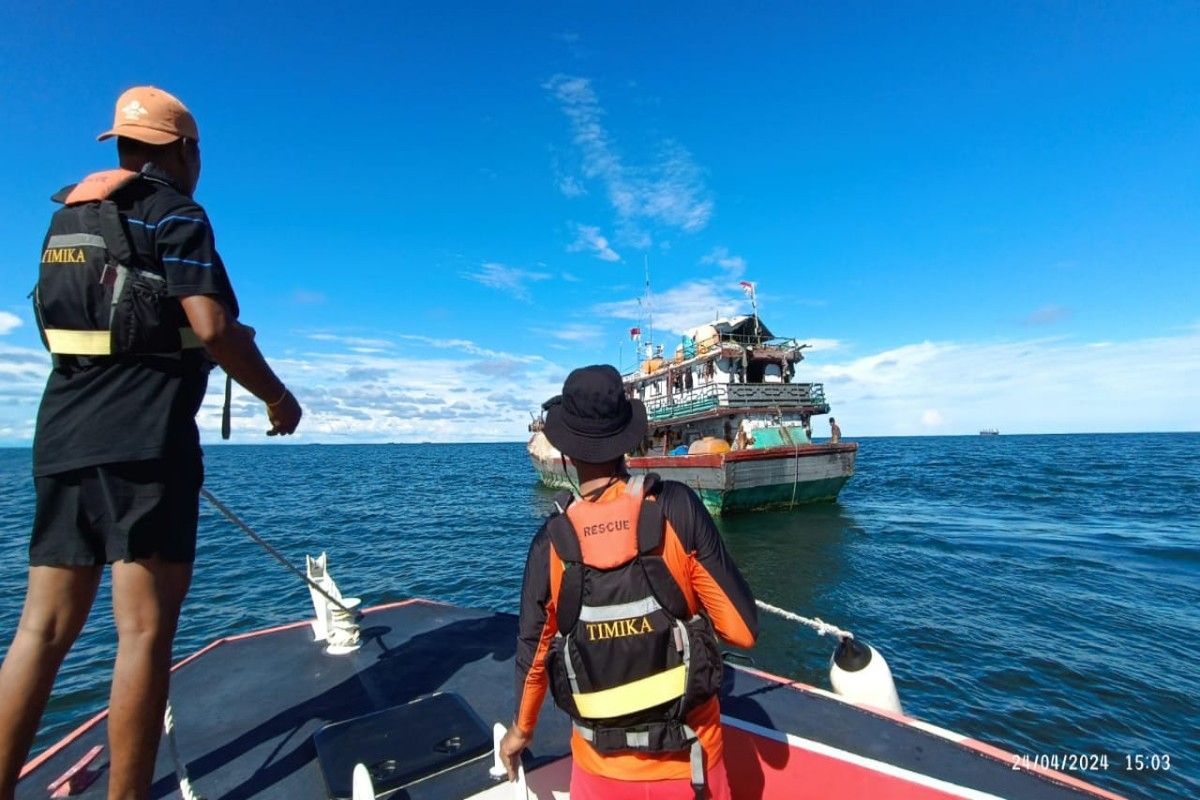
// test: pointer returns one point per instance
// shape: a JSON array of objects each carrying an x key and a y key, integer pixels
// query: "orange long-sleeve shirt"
[{"x": 696, "y": 557}]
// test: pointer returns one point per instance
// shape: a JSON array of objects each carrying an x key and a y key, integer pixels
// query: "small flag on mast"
[
  {"x": 635, "y": 333},
  {"x": 747, "y": 287}
]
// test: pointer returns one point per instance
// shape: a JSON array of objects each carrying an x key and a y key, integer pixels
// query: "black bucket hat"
[{"x": 593, "y": 420}]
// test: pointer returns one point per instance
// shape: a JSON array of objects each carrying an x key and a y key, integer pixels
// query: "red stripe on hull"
[
  {"x": 774, "y": 770},
  {"x": 717, "y": 460},
  {"x": 973, "y": 744}
]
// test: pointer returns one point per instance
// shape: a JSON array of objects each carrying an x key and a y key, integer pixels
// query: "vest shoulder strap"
[
  {"x": 562, "y": 500},
  {"x": 650, "y": 519},
  {"x": 570, "y": 590},
  {"x": 562, "y": 536},
  {"x": 113, "y": 232},
  {"x": 651, "y": 526}
]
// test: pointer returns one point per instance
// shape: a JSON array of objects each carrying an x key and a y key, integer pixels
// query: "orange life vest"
[{"x": 629, "y": 660}]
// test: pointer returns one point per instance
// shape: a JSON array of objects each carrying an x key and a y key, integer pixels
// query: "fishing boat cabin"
[{"x": 724, "y": 380}]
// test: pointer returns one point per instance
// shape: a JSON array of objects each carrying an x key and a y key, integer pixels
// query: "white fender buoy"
[
  {"x": 498, "y": 770},
  {"x": 361, "y": 787},
  {"x": 859, "y": 673},
  {"x": 520, "y": 790}
]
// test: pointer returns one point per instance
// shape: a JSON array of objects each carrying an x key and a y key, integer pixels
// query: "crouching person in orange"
[{"x": 633, "y": 660}]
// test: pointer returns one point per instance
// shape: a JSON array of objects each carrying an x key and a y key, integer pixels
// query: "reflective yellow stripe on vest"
[
  {"x": 78, "y": 343},
  {"x": 635, "y": 696},
  {"x": 99, "y": 343}
]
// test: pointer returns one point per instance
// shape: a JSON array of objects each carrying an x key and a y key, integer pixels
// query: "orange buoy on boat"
[{"x": 709, "y": 444}]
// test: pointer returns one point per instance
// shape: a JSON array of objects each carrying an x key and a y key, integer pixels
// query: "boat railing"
[
  {"x": 754, "y": 340},
  {"x": 743, "y": 395}
]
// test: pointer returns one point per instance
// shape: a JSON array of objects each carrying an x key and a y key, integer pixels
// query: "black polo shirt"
[{"x": 132, "y": 408}]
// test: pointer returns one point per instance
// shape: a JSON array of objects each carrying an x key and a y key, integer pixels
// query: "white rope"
[
  {"x": 816, "y": 623},
  {"x": 185, "y": 785},
  {"x": 236, "y": 520}
]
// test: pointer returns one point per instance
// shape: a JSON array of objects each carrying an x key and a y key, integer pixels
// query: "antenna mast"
[{"x": 649, "y": 307}]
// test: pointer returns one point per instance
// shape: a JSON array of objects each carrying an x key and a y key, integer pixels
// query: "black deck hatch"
[{"x": 401, "y": 744}]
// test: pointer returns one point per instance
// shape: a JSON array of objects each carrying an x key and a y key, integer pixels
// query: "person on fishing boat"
[
  {"x": 134, "y": 305},
  {"x": 634, "y": 658},
  {"x": 835, "y": 431}
]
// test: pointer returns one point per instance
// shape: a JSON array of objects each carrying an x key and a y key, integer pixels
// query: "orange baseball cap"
[{"x": 152, "y": 116}]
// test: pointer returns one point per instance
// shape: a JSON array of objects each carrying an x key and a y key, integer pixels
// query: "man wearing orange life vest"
[{"x": 633, "y": 660}]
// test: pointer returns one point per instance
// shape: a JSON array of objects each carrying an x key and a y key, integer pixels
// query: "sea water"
[{"x": 1040, "y": 593}]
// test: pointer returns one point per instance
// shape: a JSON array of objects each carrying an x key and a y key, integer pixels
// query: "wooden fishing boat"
[{"x": 726, "y": 417}]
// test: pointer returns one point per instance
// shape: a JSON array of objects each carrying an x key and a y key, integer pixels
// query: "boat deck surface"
[{"x": 246, "y": 709}]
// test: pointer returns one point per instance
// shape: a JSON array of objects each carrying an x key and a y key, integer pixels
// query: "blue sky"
[{"x": 979, "y": 214}]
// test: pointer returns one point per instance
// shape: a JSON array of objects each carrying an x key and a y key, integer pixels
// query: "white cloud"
[
  {"x": 465, "y": 345},
  {"x": 449, "y": 390},
  {"x": 574, "y": 332},
  {"x": 588, "y": 237},
  {"x": 670, "y": 191},
  {"x": 570, "y": 186},
  {"x": 676, "y": 194},
  {"x": 820, "y": 345},
  {"x": 8, "y": 322},
  {"x": 1047, "y": 315},
  {"x": 463, "y": 392},
  {"x": 351, "y": 341},
  {"x": 510, "y": 280},
  {"x": 1033, "y": 386},
  {"x": 457, "y": 390},
  {"x": 681, "y": 308},
  {"x": 308, "y": 297},
  {"x": 23, "y": 373},
  {"x": 733, "y": 265}
]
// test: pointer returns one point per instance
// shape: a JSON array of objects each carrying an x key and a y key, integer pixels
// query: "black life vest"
[
  {"x": 92, "y": 297},
  {"x": 630, "y": 661}
]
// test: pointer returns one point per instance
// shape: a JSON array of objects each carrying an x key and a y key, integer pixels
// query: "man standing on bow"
[
  {"x": 634, "y": 659},
  {"x": 835, "y": 432},
  {"x": 134, "y": 304}
]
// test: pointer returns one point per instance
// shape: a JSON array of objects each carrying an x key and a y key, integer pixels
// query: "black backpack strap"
[
  {"x": 650, "y": 518},
  {"x": 113, "y": 232},
  {"x": 570, "y": 592},
  {"x": 562, "y": 500},
  {"x": 651, "y": 523},
  {"x": 562, "y": 536},
  {"x": 663, "y": 585}
]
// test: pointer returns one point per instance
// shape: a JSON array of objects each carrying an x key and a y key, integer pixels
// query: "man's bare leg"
[
  {"x": 147, "y": 596},
  {"x": 57, "y": 603}
]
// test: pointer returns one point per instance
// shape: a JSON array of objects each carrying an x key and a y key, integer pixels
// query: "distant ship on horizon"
[{"x": 989, "y": 432}]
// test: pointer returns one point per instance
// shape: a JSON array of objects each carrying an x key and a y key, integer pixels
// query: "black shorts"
[{"x": 117, "y": 512}]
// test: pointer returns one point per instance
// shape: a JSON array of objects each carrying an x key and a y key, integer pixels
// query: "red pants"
[{"x": 586, "y": 786}]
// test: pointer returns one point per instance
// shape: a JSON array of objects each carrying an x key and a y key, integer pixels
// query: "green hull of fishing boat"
[
  {"x": 767, "y": 498},
  {"x": 757, "y": 479}
]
